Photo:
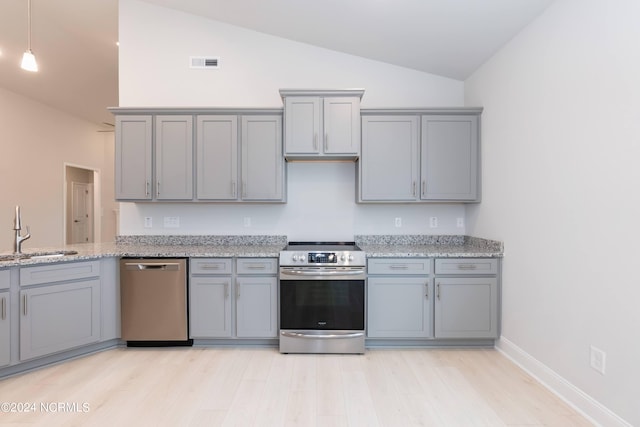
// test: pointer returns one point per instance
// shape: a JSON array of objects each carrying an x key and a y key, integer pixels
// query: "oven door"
[{"x": 322, "y": 310}]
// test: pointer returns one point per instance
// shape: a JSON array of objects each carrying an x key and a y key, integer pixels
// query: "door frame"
[{"x": 97, "y": 206}]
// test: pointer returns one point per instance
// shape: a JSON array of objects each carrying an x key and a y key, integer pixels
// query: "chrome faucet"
[{"x": 17, "y": 247}]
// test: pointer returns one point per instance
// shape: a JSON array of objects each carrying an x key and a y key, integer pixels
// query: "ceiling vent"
[{"x": 204, "y": 62}]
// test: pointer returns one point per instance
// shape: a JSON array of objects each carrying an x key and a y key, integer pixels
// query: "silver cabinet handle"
[
  {"x": 146, "y": 192},
  {"x": 158, "y": 188},
  {"x": 424, "y": 186},
  {"x": 398, "y": 266},
  {"x": 237, "y": 289},
  {"x": 426, "y": 290},
  {"x": 24, "y": 304},
  {"x": 315, "y": 141},
  {"x": 233, "y": 188},
  {"x": 210, "y": 267},
  {"x": 226, "y": 290},
  {"x": 255, "y": 266},
  {"x": 4, "y": 308},
  {"x": 414, "y": 189},
  {"x": 326, "y": 141},
  {"x": 438, "y": 290},
  {"x": 467, "y": 266}
]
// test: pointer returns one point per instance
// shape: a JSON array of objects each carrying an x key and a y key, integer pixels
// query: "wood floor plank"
[{"x": 261, "y": 387}]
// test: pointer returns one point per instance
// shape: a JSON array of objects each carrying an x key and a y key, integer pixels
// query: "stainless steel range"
[{"x": 322, "y": 298}]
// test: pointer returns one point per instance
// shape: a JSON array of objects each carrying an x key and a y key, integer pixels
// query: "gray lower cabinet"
[
  {"x": 256, "y": 307},
  {"x": 228, "y": 305},
  {"x": 5, "y": 318},
  {"x": 467, "y": 298},
  {"x": 399, "y": 298},
  {"x": 59, "y": 317},
  {"x": 210, "y": 288}
]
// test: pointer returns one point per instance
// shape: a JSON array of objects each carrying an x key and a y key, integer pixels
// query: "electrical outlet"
[
  {"x": 398, "y": 222},
  {"x": 171, "y": 222},
  {"x": 433, "y": 222},
  {"x": 247, "y": 221},
  {"x": 598, "y": 359},
  {"x": 148, "y": 222},
  {"x": 460, "y": 222}
]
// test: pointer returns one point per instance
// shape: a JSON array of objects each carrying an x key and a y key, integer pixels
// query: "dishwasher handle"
[{"x": 152, "y": 266}]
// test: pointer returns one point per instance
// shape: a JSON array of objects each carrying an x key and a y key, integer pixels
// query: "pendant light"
[{"x": 28, "y": 59}]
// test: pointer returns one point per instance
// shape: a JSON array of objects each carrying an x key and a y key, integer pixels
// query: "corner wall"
[
  {"x": 561, "y": 134},
  {"x": 36, "y": 141}
]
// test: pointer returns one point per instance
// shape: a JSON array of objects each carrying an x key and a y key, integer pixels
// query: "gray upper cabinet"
[
  {"x": 174, "y": 157},
  {"x": 262, "y": 162},
  {"x": 133, "y": 145},
  {"x": 419, "y": 156},
  {"x": 217, "y": 157},
  {"x": 199, "y": 154},
  {"x": 322, "y": 124},
  {"x": 388, "y": 169},
  {"x": 449, "y": 158}
]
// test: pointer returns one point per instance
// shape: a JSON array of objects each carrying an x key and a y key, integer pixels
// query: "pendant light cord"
[{"x": 29, "y": 24}]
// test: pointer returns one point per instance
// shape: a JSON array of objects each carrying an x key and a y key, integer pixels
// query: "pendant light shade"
[
  {"x": 29, "y": 61},
  {"x": 28, "y": 58}
]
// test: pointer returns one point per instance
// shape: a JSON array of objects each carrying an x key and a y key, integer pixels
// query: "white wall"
[
  {"x": 561, "y": 145},
  {"x": 155, "y": 45},
  {"x": 35, "y": 143}
]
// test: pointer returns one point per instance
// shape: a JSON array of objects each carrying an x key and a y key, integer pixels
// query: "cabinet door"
[
  {"x": 210, "y": 307},
  {"x": 174, "y": 157},
  {"x": 389, "y": 159},
  {"x": 133, "y": 142},
  {"x": 217, "y": 154},
  {"x": 398, "y": 307},
  {"x": 262, "y": 161},
  {"x": 466, "y": 307},
  {"x": 342, "y": 125},
  {"x": 5, "y": 329},
  {"x": 59, "y": 317},
  {"x": 256, "y": 307},
  {"x": 302, "y": 125},
  {"x": 449, "y": 158}
]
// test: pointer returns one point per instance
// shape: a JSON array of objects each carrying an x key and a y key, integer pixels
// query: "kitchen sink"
[{"x": 36, "y": 255}]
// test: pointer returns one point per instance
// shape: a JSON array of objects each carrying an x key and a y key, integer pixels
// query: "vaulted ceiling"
[{"x": 75, "y": 40}]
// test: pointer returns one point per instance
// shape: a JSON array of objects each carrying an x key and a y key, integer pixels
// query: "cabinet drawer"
[
  {"x": 211, "y": 265},
  {"x": 398, "y": 266},
  {"x": 472, "y": 266},
  {"x": 51, "y": 273},
  {"x": 5, "y": 276},
  {"x": 257, "y": 266}
]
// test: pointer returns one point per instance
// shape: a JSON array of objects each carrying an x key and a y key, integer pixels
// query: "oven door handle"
[
  {"x": 322, "y": 336},
  {"x": 321, "y": 273}
]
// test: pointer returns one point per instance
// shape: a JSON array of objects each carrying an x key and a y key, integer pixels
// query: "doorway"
[{"x": 80, "y": 205}]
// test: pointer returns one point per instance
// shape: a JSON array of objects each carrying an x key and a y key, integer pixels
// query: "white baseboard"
[{"x": 572, "y": 395}]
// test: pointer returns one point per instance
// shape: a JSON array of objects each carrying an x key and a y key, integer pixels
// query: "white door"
[{"x": 81, "y": 212}]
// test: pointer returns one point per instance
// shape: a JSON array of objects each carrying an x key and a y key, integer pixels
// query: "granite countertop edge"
[{"x": 267, "y": 247}]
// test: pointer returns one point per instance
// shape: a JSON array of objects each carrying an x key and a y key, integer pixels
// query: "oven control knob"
[
  {"x": 294, "y": 258},
  {"x": 350, "y": 257},
  {"x": 342, "y": 258}
]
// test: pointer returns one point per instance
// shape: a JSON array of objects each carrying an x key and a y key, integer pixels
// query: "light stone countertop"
[{"x": 383, "y": 246}]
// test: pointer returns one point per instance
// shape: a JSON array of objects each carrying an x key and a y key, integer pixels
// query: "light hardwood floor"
[{"x": 261, "y": 387}]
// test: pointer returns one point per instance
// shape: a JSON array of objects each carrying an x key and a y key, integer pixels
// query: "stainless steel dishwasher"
[{"x": 153, "y": 296}]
